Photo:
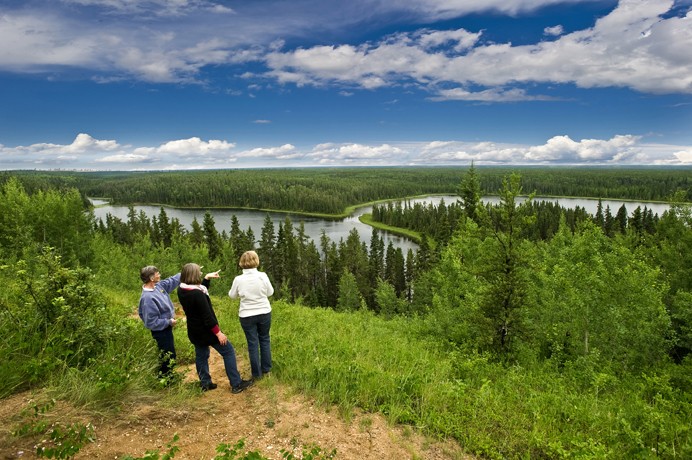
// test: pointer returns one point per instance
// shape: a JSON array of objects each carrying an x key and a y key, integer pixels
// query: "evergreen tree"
[
  {"x": 410, "y": 274},
  {"x": 621, "y": 219},
  {"x": 470, "y": 192},
  {"x": 196, "y": 233},
  {"x": 165, "y": 229},
  {"x": 266, "y": 246},
  {"x": 333, "y": 269},
  {"x": 505, "y": 270},
  {"x": 211, "y": 237}
]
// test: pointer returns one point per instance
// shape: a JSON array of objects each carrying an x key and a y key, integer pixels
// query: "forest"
[
  {"x": 331, "y": 190},
  {"x": 521, "y": 330}
]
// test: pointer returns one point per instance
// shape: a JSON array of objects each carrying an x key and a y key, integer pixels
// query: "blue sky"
[{"x": 186, "y": 84}]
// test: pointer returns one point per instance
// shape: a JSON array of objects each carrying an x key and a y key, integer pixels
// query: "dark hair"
[
  {"x": 147, "y": 273},
  {"x": 191, "y": 274}
]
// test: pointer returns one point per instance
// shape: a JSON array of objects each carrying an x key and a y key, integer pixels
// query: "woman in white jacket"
[{"x": 254, "y": 289}]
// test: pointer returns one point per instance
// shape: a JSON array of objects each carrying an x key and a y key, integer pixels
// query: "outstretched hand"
[{"x": 212, "y": 275}]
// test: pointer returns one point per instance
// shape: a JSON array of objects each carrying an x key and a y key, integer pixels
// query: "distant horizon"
[
  {"x": 459, "y": 166},
  {"x": 125, "y": 85}
]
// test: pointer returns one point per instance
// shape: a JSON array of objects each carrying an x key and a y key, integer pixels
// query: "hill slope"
[{"x": 269, "y": 416}]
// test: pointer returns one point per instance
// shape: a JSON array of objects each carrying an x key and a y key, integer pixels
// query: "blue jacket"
[{"x": 155, "y": 306}]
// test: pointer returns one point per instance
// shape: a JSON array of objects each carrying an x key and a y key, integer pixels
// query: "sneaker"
[
  {"x": 211, "y": 386},
  {"x": 243, "y": 385}
]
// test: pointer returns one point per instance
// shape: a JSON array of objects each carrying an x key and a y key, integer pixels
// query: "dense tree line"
[
  {"x": 440, "y": 222},
  {"x": 331, "y": 191}
]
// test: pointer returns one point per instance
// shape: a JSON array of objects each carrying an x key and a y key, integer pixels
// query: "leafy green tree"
[
  {"x": 594, "y": 296},
  {"x": 386, "y": 299},
  {"x": 350, "y": 298},
  {"x": 453, "y": 293}
]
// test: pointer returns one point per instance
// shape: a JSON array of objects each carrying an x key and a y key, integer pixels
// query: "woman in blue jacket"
[{"x": 158, "y": 314}]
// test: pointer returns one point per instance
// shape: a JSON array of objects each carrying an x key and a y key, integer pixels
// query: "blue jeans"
[
  {"x": 202, "y": 363},
  {"x": 256, "y": 330},
  {"x": 164, "y": 339}
]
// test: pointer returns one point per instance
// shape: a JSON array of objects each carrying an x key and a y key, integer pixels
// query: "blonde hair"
[
  {"x": 191, "y": 274},
  {"x": 249, "y": 259}
]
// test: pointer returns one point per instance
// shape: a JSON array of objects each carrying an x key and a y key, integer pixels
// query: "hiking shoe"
[
  {"x": 211, "y": 386},
  {"x": 243, "y": 385}
]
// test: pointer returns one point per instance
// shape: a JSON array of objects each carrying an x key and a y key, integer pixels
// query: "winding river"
[{"x": 337, "y": 229}]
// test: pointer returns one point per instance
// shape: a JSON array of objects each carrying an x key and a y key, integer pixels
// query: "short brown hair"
[
  {"x": 249, "y": 259},
  {"x": 147, "y": 273},
  {"x": 191, "y": 274}
]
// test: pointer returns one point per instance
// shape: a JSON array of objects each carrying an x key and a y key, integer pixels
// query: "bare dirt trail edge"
[{"x": 268, "y": 416}]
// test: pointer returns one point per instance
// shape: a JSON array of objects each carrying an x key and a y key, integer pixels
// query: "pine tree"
[
  {"x": 470, "y": 192},
  {"x": 211, "y": 236}
]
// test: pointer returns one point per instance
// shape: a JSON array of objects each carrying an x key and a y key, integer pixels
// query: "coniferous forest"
[{"x": 520, "y": 330}]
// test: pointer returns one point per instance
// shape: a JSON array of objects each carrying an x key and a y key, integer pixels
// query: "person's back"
[
  {"x": 254, "y": 289},
  {"x": 255, "y": 313}
]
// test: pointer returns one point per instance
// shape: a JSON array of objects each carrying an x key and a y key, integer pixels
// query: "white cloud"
[
  {"x": 445, "y": 9},
  {"x": 553, "y": 31},
  {"x": 622, "y": 149},
  {"x": 356, "y": 154},
  {"x": 684, "y": 156},
  {"x": 86, "y": 152},
  {"x": 632, "y": 46},
  {"x": 612, "y": 53},
  {"x": 562, "y": 148},
  {"x": 124, "y": 158},
  {"x": 194, "y": 147},
  {"x": 488, "y": 95},
  {"x": 284, "y": 152}
]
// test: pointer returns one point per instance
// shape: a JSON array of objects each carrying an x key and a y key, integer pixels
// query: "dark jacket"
[{"x": 202, "y": 324}]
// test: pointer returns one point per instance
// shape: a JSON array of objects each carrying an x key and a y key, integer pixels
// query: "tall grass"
[
  {"x": 358, "y": 359},
  {"x": 576, "y": 410}
]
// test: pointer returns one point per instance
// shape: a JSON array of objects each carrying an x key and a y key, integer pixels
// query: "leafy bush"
[{"x": 55, "y": 323}]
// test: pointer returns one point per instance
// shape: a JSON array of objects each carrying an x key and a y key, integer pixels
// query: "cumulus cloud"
[
  {"x": 637, "y": 45},
  {"x": 634, "y": 46},
  {"x": 195, "y": 146},
  {"x": 86, "y": 152},
  {"x": 621, "y": 149},
  {"x": 553, "y": 31},
  {"x": 488, "y": 95},
  {"x": 356, "y": 154},
  {"x": 284, "y": 152}
]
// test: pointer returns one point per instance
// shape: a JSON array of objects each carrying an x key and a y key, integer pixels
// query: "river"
[{"x": 338, "y": 229}]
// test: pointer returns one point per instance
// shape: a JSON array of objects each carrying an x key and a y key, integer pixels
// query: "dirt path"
[{"x": 269, "y": 416}]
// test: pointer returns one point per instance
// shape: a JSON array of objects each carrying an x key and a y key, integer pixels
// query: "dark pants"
[
  {"x": 227, "y": 352},
  {"x": 256, "y": 330},
  {"x": 164, "y": 340}
]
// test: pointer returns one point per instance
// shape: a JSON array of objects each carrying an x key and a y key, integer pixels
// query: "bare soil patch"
[{"x": 269, "y": 416}]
